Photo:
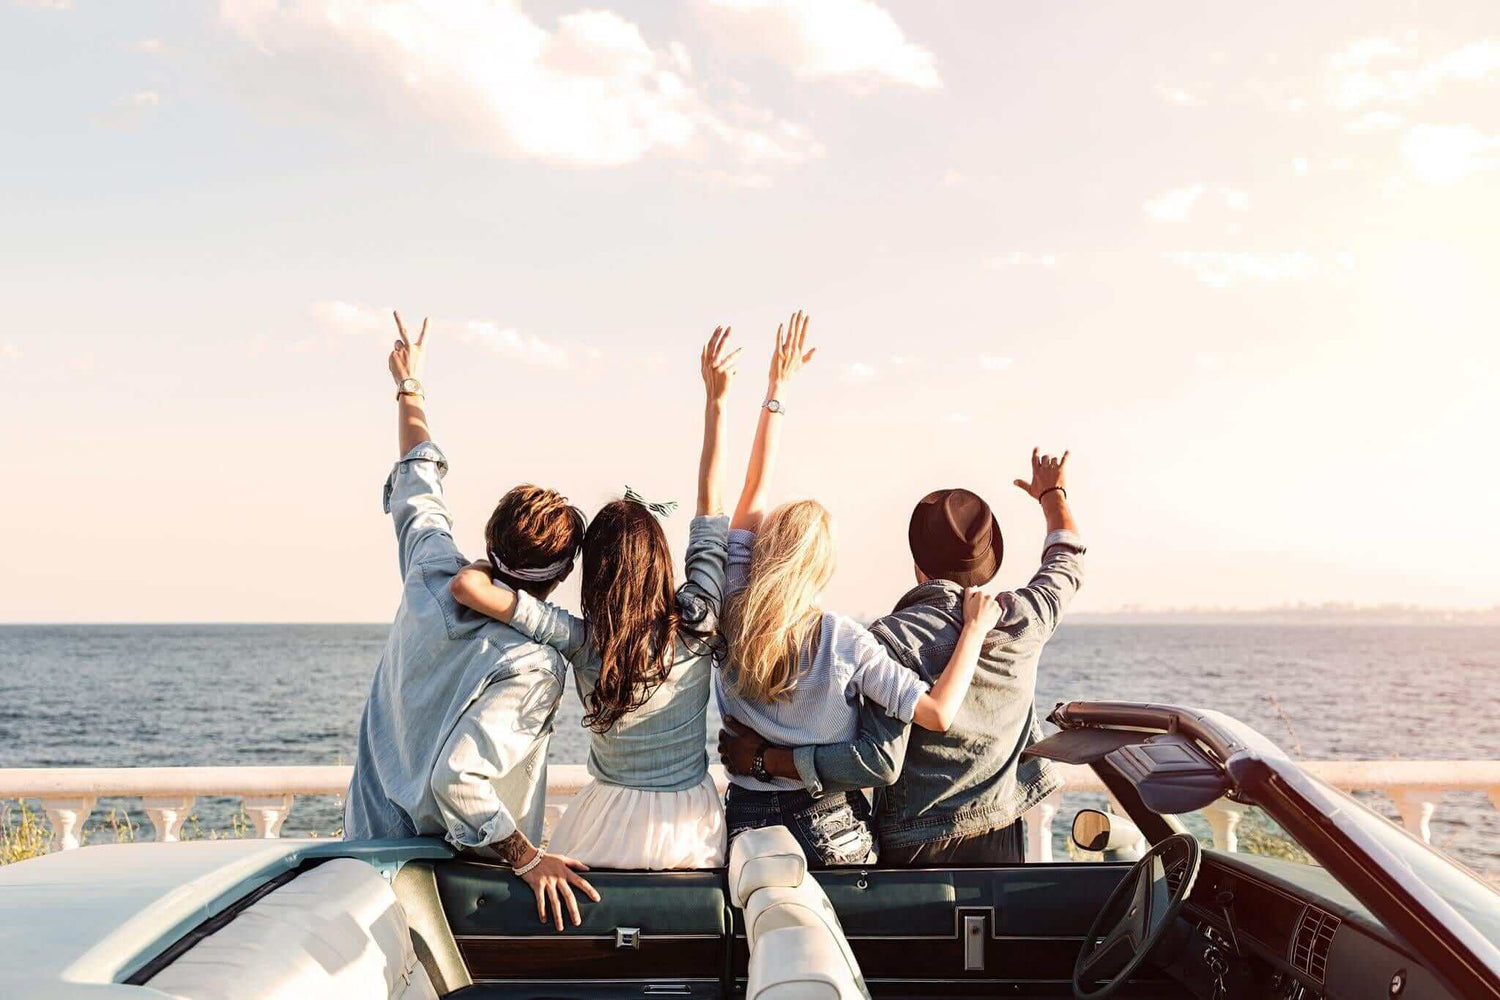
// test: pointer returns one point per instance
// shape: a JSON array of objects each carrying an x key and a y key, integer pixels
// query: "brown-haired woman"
[{"x": 643, "y": 664}]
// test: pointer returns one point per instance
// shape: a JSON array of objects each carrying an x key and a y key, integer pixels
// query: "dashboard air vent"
[{"x": 1314, "y": 938}]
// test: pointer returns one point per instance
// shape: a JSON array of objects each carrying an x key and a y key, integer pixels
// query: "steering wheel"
[{"x": 1135, "y": 916}]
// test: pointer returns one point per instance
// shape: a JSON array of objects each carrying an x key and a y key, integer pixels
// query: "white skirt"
[{"x": 610, "y": 826}]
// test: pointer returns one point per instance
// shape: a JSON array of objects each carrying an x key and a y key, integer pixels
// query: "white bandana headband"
[{"x": 539, "y": 574}]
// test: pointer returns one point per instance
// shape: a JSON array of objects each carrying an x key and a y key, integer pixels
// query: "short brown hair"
[{"x": 534, "y": 527}]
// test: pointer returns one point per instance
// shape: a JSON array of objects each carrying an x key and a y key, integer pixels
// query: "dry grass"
[{"x": 23, "y": 834}]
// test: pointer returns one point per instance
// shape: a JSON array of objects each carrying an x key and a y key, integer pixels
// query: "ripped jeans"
[{"x": 837, "y": 829}]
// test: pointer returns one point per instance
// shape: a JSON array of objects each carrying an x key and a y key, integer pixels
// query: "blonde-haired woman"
[{"x": 795, "y": 672}]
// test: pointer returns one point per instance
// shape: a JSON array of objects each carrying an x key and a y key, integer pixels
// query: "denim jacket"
[
  {"x": 971, "y": 779},
  {"x": 660, "y": 746},
  {"x": 453, "y": 739}
]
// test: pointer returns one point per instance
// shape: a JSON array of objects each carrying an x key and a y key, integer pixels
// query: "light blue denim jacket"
[
  {"x": 661, "y": 746},
  {"x": 438, "y": 660},
  {"x": 970, "y": 779}
]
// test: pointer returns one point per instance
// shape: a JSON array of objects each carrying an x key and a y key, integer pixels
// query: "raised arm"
[
  {"x": 1057, "y": 580},
  {"x": 414, "y": 489},
  {"x": 790, "y": 355},
  {"x": 406, "y": 362},
  {"x": 718, "y": 365}
]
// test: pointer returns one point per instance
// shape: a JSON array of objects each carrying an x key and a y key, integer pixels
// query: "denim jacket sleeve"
[
  {"x": 545, "y": 622},
  {"x": 1052, "y": 587},
  {"x": 701, "y": 597},
  {"x": 872, "y": 760},
  {"x": 414, "y": 499}
]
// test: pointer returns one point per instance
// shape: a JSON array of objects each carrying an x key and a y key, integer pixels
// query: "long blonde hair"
[{"x": 777, "y": 614}]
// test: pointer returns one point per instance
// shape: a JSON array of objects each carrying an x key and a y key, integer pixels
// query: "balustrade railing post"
[
  {"x": 1224, "y": 820},
  {"x": 66, "y": 817},
  {"x": 1416, "y": 806},
  {"x": 167, "y": 814},
  {"x": 1039, "y": 828},
  {"x": 267, "y": 813}
]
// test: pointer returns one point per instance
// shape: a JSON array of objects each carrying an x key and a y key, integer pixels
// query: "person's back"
[
  {"x": 453, "y": 737},
  {"x": 970, "y": 779},
  {"x": 661, "y": 743},
  {"x": 438, "y": 659}
]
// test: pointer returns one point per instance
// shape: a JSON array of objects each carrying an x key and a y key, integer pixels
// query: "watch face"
[{"x": 774, "y": 406}]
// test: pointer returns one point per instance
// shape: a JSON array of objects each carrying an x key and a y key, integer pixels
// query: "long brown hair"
[{"x": 631, "y": 610}]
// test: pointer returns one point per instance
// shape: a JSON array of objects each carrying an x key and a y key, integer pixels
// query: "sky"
[{"x": 1241, "y": 260}]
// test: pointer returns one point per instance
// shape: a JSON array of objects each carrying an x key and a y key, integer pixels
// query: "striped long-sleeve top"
[{"x": 823, "y": 706}]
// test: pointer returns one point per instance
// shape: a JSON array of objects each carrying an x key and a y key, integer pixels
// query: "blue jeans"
[{"x": 836, "y": 829}]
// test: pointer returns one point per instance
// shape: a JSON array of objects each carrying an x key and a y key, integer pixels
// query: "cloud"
[
  {"x": 129, "y": 111},
  {"x": 1362, "y": 73},
  {"x": 589, "y": 92},
  {"x": 347, "y": 318},
  {"x": 995, "y": 362},
  {"x": 1446, "y": 154},
  {"x": 44, "y": 4},
  {"x": 1234, "y": 199},
  {"x": 856, "y": 40},
  {"x": 1374, "y": 121},
  {"x": 1178, "y": 96},
  {"x": 1173, "y": 205},
  {"x": 859, "y": 371},
  {"x": 147, "y": 45},
  {"x": 955, "y": 417},
  {"x": 352, "y": 319},
  {"x": 523, "y": 347},
  {"x": 1221, "y": 269}
]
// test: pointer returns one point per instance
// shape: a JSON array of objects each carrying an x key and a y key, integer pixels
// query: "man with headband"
[{"x": 453, "y": 740}]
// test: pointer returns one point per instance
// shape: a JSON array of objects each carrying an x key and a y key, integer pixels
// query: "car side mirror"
[{"x": 1098, "y": 831}]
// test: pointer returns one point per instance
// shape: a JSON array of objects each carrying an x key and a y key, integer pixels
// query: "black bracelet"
[{"x": 1051, "y": 489}]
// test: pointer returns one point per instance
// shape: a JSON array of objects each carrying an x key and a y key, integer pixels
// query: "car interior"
[{"x": 1170, "y": 919}]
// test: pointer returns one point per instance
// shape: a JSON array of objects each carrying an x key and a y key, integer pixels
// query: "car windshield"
[{"x": 1475, "y": 900}]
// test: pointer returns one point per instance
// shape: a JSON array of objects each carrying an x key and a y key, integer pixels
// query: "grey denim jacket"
[{"x": 933, "y": 786}]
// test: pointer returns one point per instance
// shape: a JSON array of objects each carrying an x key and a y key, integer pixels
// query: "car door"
[
  {"x": 1010, "y": 931},
  {"x": 651, "y": 934}
]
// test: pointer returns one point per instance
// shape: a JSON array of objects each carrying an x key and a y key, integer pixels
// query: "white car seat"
[
  {"x": 334, "y": 931},
  {"x": 798, "y": 950}
]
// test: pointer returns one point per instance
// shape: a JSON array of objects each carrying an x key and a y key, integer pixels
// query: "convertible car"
[{"x": 1325, "y": 899}]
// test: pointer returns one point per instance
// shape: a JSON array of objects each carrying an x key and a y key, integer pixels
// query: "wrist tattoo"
[{"x": 513, "y": 849}]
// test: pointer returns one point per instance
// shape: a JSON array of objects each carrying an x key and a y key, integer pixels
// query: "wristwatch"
[
  {"x": 775, "y": 406},
  {"x": 758, "y": 765},
  {"x": 409, "y": 387}
]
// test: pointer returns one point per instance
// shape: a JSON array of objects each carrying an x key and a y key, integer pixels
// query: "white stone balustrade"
[{"x": 69, "y": 794}]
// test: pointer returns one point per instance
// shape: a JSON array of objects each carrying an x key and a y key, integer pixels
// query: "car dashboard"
[{"x": 1268, "y": 928}]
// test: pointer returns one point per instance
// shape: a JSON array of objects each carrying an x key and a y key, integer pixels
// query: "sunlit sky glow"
[{"x": 1240, "y": 259}]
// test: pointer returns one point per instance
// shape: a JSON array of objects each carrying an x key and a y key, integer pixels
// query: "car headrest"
[{"x": 769, "y": 856}]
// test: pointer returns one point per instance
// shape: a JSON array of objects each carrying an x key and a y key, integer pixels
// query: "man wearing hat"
[{"x": 953, "y": 798}]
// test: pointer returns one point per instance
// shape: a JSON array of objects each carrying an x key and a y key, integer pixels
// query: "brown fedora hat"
[{"x": 954, "y": 536}]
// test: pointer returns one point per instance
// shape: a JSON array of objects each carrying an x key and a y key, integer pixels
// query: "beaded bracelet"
[{"x": 525, "y": 869}]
